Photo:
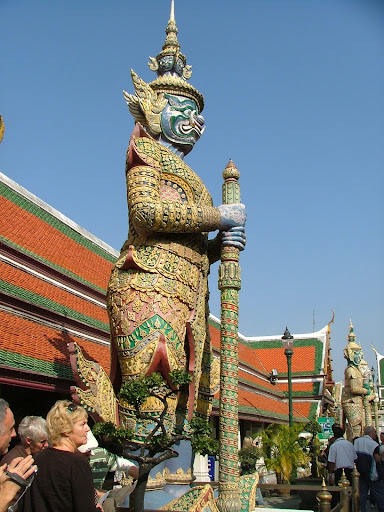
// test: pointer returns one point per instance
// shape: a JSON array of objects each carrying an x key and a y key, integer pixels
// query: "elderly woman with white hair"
[
  {"x": 33, "y": 436},
  {"x": 64, "y": 480}
]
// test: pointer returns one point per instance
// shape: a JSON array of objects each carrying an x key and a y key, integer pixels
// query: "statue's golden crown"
[{"x": 171, "y": 84}]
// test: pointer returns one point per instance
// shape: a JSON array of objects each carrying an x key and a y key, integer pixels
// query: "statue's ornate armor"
[
  {"x": 353, "y": 399},
  {"x": 157, "y": 296},
  {"x": 355, "y": 396}
]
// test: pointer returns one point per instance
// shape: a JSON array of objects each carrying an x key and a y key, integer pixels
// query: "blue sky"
[{"x": 294, "y": 95}]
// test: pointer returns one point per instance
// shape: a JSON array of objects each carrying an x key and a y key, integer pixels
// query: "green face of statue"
[
  {"x": 181, "y": 122},
  {"x": 357, "y": 357}
]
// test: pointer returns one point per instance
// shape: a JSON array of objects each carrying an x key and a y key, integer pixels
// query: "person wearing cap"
[{"x": 102, "y": 462}]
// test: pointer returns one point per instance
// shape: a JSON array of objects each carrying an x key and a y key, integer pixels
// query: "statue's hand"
[
  {"x": 366, "y": 386},
  {"x": 234, "y": 237},
  {"x": 232, "y": 215}
]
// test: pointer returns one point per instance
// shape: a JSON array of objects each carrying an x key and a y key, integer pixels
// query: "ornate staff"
[{"x": 229, "y": 286}]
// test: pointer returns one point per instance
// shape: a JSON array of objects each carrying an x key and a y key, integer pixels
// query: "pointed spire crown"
[
  {"x": 171, "y": 66},
  {"x": 351, "y": 335},
  {"x": 170, "y": 60},
  {"x": 352, "y": 346}
]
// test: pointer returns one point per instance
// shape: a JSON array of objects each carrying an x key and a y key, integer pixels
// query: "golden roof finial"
[{"x": 331, "y": 321}]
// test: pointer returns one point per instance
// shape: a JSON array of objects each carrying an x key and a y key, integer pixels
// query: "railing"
[{"x": 349, "y": 494}]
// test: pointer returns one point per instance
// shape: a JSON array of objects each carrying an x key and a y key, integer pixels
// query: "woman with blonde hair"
[{"x": 63, "y": 482}]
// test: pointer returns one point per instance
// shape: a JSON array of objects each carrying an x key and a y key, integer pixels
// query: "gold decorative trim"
[
  {"x": 197, "y": 499},
  {"x": 178, "y": 478},
  {"x": 156, "y": 483}
]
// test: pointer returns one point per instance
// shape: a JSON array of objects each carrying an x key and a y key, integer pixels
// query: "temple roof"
[
  {"x": 53, "y": 276},
  {"x": 264, "y": 353},
  {"x": 51, "y": 238},
  {"x": 37, "y": 347}
]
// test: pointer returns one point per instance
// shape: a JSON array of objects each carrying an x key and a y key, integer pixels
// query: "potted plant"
[
  {"x": 313, "y": 428},
  {"x": 282, "y": 451},
  {"x": 248, "y": 457}
]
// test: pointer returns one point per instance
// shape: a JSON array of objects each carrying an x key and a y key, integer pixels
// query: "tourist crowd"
[
  {"x": 58, "y": 466},
  {"x": 367, "y": 452},
  {"x": 50, "y": 469}
]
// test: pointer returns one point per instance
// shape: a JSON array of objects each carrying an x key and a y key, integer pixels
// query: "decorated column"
[{"x": 229, "y": 285}]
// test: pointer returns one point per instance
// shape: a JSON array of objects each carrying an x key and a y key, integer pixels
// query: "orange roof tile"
[
  {"x": 303, "y": 408},
  {"x": 31, "y": 339},
  {"x": 297, "y": 386},
  {"x": 246, "y": 353},
  {"x": 51, "y": 244},
  {"x": 25, "y": 281},
  {"x": 250, "y": 378},
  {"x": 261, "y": 402},
  {"x": 302, "y": 359},
  {"x": 250, "y": 356},
  {"x": 215, "y": 335}
]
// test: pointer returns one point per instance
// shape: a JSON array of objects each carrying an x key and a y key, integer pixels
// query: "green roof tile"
[{"x": 31, "y": 364}]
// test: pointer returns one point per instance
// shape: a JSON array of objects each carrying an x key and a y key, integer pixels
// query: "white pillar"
[{"x": 200, "y": 468}]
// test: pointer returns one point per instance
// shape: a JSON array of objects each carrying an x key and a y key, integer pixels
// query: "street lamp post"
[{"x": 287, "y": 340}]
